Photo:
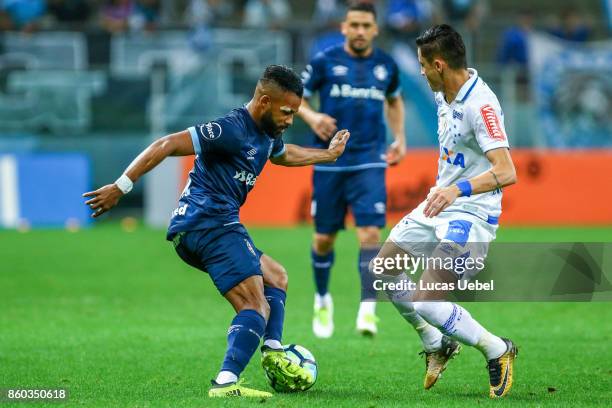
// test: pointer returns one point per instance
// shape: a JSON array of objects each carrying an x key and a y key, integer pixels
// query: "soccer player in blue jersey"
[
  {"x": 230, "y": 153},
  {"x": 357, "y": 84}
]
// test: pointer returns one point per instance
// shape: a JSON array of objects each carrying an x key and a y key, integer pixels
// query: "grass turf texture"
[{"x": 119, "y": 320}]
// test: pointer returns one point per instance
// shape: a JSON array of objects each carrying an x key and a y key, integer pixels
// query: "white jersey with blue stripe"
[
  {"x": 468, "y": 127},
  {"x": 230, "y": 153}
]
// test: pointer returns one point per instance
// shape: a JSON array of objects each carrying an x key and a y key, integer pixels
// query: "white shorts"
[{"x": 451, "y": 233}]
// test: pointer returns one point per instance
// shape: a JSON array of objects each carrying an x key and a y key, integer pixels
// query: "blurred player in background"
[
  {"x": 205, "y": 228},
  {"x": 461, "y": 211},
  {"x": 357, "y": 85}
]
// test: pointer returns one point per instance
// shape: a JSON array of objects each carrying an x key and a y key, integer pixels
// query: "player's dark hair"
[
  {"x": 363, "y": 6},
  {"x": 284, "y": 77},
  {"x": 443, "y": 41}
]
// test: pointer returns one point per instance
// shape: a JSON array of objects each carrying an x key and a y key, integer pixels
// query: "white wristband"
[{"x": 124, "y": 183}]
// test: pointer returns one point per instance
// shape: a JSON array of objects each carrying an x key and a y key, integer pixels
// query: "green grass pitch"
[{"x": 119, "y": 320}]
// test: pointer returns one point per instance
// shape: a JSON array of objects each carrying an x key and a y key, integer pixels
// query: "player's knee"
[
  {"x": 323, "y": 243},
  {"x": 280, "y": 278},
  {"x": 283, "y": 279},
  {"x": 260, "y": 305},
  {"x": 275, "y": 275},
  {"x": 368, "y": 236},
  {"x": 264, "y": 309},
  {"x": 254, "y": 300}
]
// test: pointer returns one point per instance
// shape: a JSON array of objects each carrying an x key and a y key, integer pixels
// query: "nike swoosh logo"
[{"x": 499, "y": 392}]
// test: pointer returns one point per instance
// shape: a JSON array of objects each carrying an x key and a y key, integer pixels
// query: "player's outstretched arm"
[
  {"x": 322, "y": 124},
  {"x": 302, "y": 156},
  {"x": 502, "y": 174},
  {"x": 106, "y": 197}
]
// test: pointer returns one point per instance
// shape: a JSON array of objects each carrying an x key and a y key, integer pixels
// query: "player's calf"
[
  {"x": 275, "y": 291},
  {"x": 243, "y": 336},
  {"x": 274, "y": 274}
]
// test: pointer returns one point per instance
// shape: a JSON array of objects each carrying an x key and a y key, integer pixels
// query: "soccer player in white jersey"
[{"x": 461, "y": 209}]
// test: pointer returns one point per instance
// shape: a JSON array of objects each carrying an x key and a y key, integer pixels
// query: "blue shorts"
[
  {"x": 226, "y": 253},
  {"x": 364, "y": 191}
]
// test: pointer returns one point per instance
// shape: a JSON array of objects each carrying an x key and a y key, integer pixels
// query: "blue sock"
[
  {"x": 276, "y": 299},
  {"x": 243, "y": 338},
  {"x": 367, "y": 279},
  {"x": 321, "y": 265}
]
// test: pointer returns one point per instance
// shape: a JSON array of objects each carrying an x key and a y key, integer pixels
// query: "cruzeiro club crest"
[{"x": 380, "y": 72}]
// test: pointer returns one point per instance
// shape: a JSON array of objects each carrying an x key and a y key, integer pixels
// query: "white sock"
[
  {"x": 225, "y": 377},
  {"x": 397, "y": 295},
  {"x": 490, "y": 345},
  {"x": 458, "y": 323},
  {"x": 452, "y": 320},
  {"x": 275, "y": 344},
  {"x": 367, "y": 308},
  {"x": 323, "y": 301},
  {"x": 430, "y": 336}
]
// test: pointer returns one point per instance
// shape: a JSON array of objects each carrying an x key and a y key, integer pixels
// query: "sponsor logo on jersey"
[
  {"x": 380, "y": 72},
  {"x": 182, "y": 210},
  {"x": 454, "y": 158},
  {"x": 211, "y": 130},
  {"x": 339, "y": 70},
  {"x": 245, "y": 177},
  {"x": 250, "y": 247},
  {"x": 457, "y": 115},
  {"x": 347, "y": 91},
  {"x": 251, "y": 153},
  {"x": 492, "y": 123}
]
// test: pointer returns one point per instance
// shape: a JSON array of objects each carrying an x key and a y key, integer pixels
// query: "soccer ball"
[{"x": 301, "y": 356}]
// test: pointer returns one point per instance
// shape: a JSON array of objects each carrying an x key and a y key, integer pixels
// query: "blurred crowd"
[
  {"x": 401, "y": 20},
  {"x": 148, "y": 15}
]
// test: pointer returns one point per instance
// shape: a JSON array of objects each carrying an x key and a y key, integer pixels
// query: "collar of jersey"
[
  {"x": 466, "y": 89},
  {"x": 246, "y": 112},
  {"x": 374, "y": 50}
]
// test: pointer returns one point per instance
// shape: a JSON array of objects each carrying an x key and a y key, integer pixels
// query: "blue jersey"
[
  {"x": 230, "y": 153},
  {"x": 353, "y": 90}
]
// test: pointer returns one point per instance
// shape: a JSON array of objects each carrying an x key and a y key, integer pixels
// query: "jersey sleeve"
[
  {"x": 394, "y": 89},
  {"x": 278, "y": 147},
  {"x": 313, "y": 75},
  {"x": 487, "y": 120},
  {"x": 218, "y": 136}
]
